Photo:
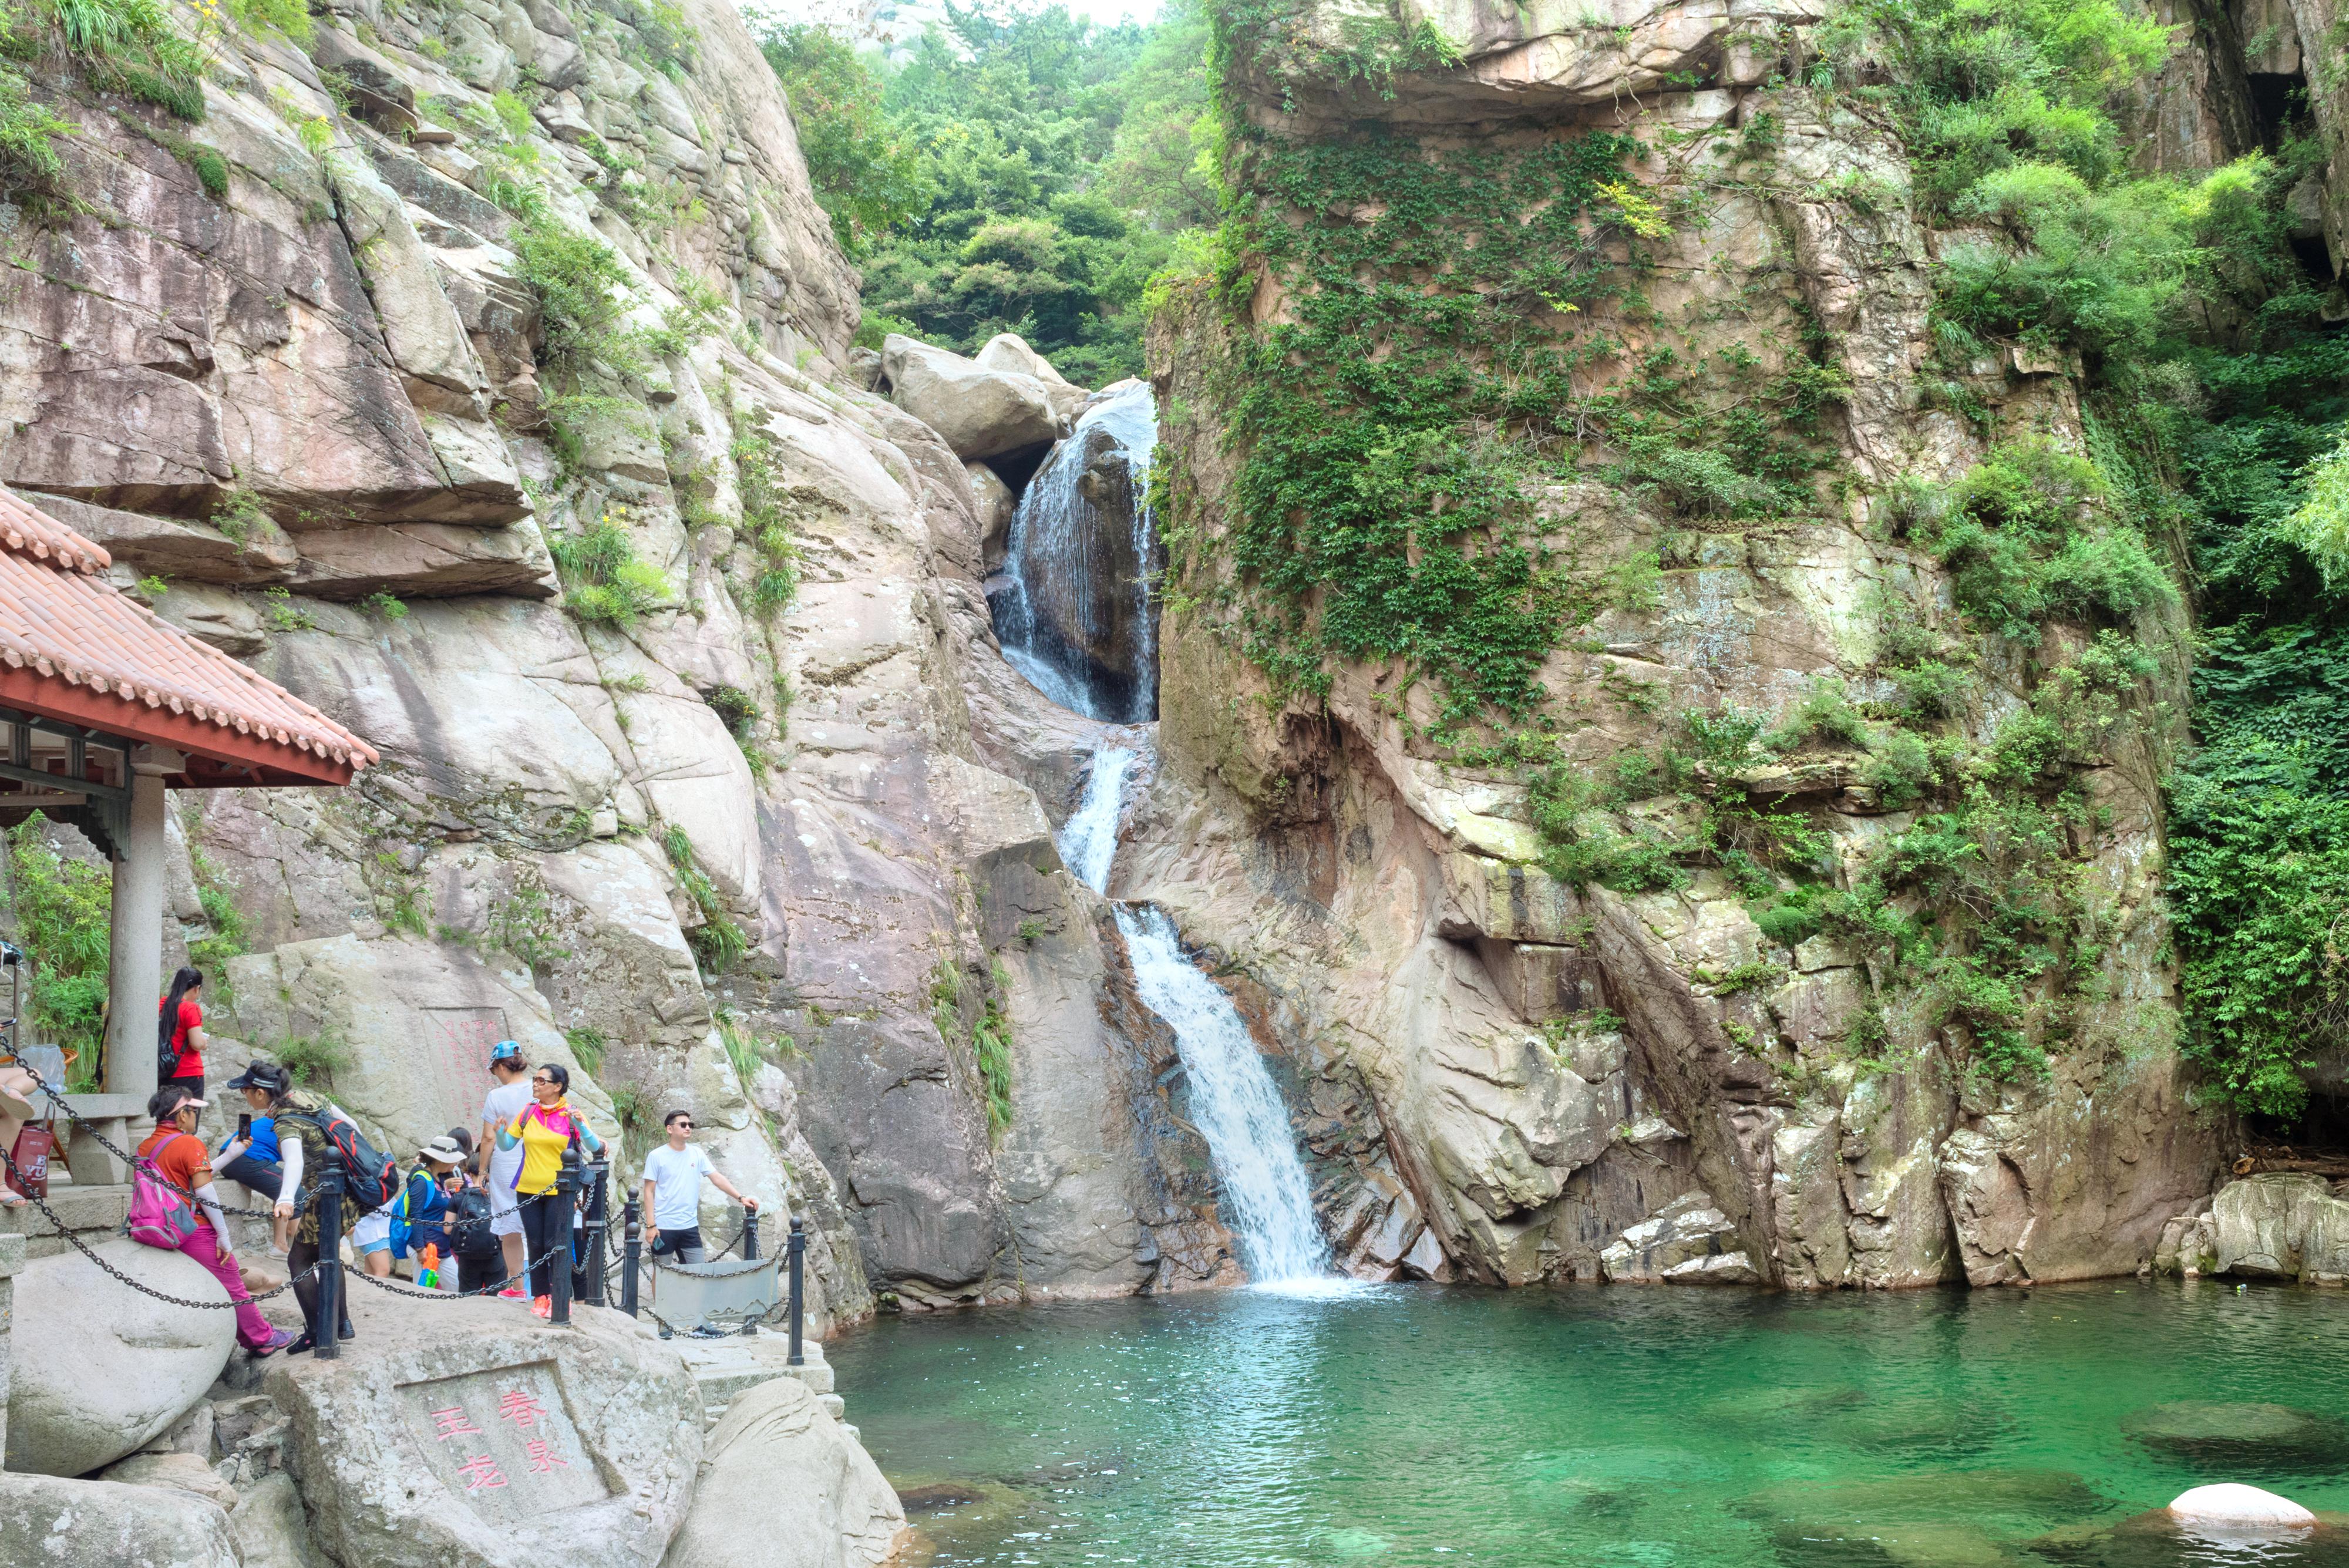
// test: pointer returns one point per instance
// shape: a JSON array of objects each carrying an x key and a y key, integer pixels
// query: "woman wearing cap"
[
  {"x": 174, "y": 1153},
  {"x": 420, "y": 1211},
  {"x": 301, "y": 1119},
  {"x": 542, "y": 1130},
  {"x": 505, "y": 1101}
]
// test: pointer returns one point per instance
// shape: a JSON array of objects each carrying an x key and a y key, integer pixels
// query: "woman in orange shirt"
[{"x": 175, "y": 1154}]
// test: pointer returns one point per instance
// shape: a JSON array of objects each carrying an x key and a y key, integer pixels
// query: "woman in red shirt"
[
  {"x": 173, "y": 1153},
  {"x": 180, "y": 1037}
]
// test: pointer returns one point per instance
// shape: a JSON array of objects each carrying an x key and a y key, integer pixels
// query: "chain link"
[{"x": 145, "y": 1290}]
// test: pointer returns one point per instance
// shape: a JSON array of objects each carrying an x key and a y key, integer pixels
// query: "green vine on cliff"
[{"x": 1392, "y": 421}]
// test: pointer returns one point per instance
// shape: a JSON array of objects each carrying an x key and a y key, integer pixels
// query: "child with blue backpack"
[{"x": 419, "y": 1214}]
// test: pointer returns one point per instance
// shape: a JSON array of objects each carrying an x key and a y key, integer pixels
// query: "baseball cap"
[
  {"x": 258, "y": 1076},
  {"x": 506, "y": 1051}
]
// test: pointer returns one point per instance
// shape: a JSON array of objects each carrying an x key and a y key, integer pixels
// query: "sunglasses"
[
  {"x": 542, "y": 1080},
  {"x": 687, "y": 1127}
]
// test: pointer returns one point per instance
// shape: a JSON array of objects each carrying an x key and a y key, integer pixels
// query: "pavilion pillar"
[{"x": 134, "y": 981}]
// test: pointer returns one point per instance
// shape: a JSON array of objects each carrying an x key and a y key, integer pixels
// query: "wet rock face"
[{"x": 1417, "y": 961}]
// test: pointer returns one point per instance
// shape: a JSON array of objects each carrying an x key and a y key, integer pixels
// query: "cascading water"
[
  {"x": 1267, "y": 1201},
  {"x": 1074, "y": 613},
  {"x": 1088, "y": 841}
]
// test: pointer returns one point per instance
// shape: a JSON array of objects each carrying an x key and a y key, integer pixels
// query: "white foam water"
[
  {"x": 1088, "y": 840},
  {"x": 1266, "y": 1199}
]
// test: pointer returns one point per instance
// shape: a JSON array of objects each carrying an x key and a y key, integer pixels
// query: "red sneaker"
[
  {"x": 542, "y": 1306},
  {"x": 511, "y": 1293}
]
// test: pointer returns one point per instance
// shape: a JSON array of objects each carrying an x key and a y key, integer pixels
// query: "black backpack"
[
  {"x": 370, "y": 1178},
  {"x": 468, "y": 1223}
]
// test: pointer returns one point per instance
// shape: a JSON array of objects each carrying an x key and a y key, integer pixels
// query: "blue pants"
[{"x": 264, "y": 1176}]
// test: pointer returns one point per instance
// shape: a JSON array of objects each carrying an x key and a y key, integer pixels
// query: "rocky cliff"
[
  {"x": 1654, "y": 958},
  {"x": 339, "y": 371}
]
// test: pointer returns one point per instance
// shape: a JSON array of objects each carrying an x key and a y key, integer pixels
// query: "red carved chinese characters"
[
  {"x": 453, "y": 1423},
  {"x": 542, "y": 1460},
  {"x": 481, "y": 1471},
  {"x": 520, "y": 1408}
]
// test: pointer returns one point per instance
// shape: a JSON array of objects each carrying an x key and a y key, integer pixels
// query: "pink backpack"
[{"x": 160, "y": 1214}]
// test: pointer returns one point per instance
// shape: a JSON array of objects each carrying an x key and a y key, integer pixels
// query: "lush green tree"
[
  {"x": 1024, "y": 195},
  {"x": 866, "y": 173}
]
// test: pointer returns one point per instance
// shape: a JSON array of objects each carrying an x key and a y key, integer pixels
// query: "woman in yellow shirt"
[{"x": 541, "y": 1131}]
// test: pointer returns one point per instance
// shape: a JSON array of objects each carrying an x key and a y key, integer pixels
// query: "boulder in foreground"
[
  {"x": 100, "y": 1369},
  {"x": 466, "y": 1434},
  {"x": 785, "y": 1487},
  {"x": 61, "y": 1523}
]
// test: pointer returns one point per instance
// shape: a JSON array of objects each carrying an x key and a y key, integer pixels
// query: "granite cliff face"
[
  {"x": 1507, "y": 1077},
  {"x": 735, "y": 844}
]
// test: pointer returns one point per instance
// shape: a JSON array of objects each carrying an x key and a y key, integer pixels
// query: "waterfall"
[
  {"x": 1088, "y": 840},
  {"x": 1265, "y": 1198},
  {"x": 1074, "y": 613}
]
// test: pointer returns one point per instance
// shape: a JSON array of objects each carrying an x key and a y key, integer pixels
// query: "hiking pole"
[
  {"x": 566, "y": 1192},
  {"x": 597, "y": 1223},
  {"x": 797, "y": 1250},
  {"x": 632, "y": 1248},
  {"x": 325, "y": 1343}
]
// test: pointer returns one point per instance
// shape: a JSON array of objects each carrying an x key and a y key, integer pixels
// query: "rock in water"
[
  {"x": 61, "y": 1523},
  {"x": 2216, "y": 1433},
  {"x": 99, "y": 1368},
  {"x": 776, "y": 1441},
  {"x": 467, "y": 1434},
  {"x": 980, "y": 413},
  {"x": 2236, "y": 1506}
]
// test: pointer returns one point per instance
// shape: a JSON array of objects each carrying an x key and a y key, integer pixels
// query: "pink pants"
[{"x": 251, "y": 1328}]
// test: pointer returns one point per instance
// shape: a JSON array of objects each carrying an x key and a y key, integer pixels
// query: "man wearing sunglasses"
[{"x": 673, "y": 1176}]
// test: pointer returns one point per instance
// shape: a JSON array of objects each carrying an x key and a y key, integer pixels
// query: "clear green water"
[{"x": 1421, "y": 1425}]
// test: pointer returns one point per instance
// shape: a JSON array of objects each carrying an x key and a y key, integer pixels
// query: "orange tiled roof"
[{"x": 68, "y": 636}]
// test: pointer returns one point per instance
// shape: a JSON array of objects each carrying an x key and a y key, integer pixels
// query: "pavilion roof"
[{"x": 76, "y": 648}]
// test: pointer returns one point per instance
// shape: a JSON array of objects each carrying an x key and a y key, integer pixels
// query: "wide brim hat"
[{"x": 443, "y": 1151}]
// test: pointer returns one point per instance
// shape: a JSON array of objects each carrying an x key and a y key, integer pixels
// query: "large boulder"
[
  {"x": 980, "y": 413},
  {"x": 2283, "y": 1224},
  {"x": 60, "y": 1523},
  {"x": 777, "y": 1441},
  {"x": 419, "y": 1019},
  {"x": 469, "y": 1435},
  {"x": 100, "y": 1369},
  {"x": 1010, "y": 352}
]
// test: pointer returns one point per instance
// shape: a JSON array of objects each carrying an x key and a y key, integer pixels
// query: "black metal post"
[
  {"x": 798, "y": 1250},
  {"x": 566, "y": 1194},
  {"x": 598, "y": 1178},
  {"x": 632, "y": 1251},
  {"x": 750, "y": 1233},
  {"x": 325, "y": 1336}
]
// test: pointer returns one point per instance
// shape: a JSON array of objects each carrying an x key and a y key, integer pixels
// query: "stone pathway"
[{"x": 729, "y": 1367}]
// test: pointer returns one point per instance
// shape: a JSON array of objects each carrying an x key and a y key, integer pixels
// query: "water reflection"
[{"x": 1416, "y": 1425}]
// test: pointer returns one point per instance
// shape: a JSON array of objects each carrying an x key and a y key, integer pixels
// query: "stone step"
[{"x": 91, "y": 1212}]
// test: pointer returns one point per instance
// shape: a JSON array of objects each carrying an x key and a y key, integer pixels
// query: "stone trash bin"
[{"x": 724, "y": 1293}]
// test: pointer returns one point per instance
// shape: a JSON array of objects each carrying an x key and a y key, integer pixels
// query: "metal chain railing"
[
  {"x": 145, "y": 1290},
  {"x": 567, "y": 1188},
  {"x": 57, "y": 1098}
]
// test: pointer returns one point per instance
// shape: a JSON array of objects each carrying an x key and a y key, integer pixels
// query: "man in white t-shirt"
[
  {"x": 673, "y": 1176},
  {"x": 504, "y": 1103}
]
